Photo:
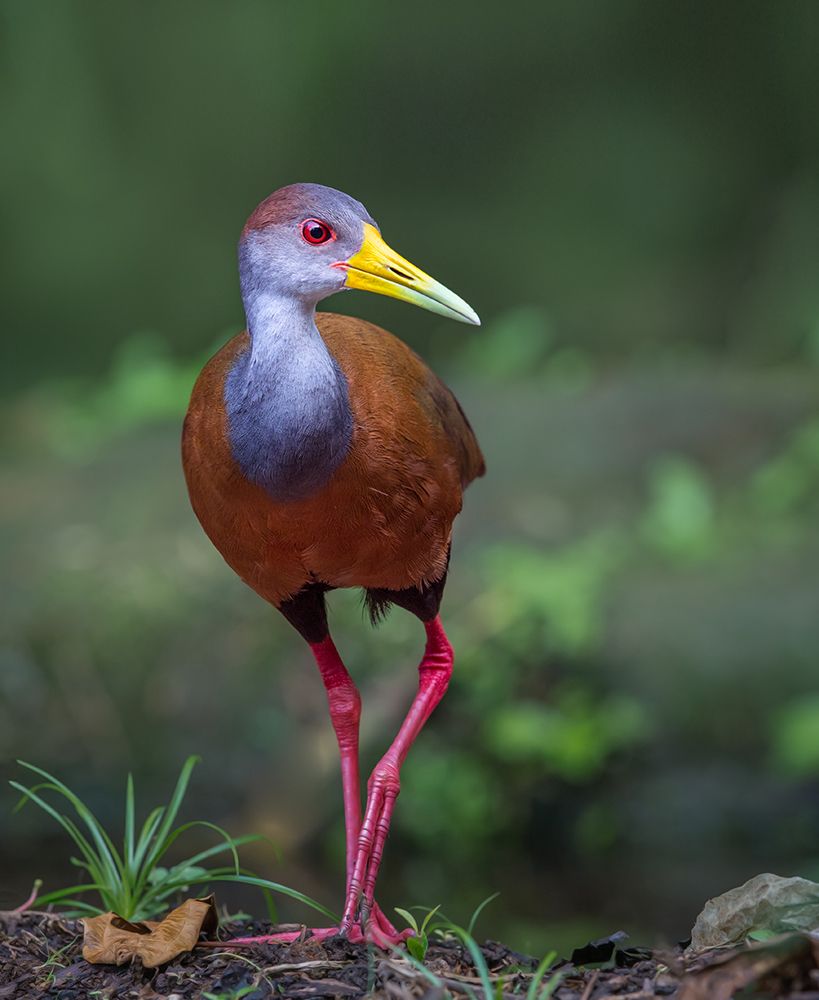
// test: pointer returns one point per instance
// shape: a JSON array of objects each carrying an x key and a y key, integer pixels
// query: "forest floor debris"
[{"x": 41, "y": 957}]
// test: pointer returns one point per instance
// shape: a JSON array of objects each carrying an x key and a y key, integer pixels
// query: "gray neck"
[{"x": 289, "y": 417}]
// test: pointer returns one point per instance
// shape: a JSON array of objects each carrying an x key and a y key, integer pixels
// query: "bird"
[{"x": 321, "y": 452}]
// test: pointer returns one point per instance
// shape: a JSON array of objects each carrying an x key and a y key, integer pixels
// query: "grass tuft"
[{"x": 132, "y": 881}]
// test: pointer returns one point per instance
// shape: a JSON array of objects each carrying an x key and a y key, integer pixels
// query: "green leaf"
[
  {"x": 417, "y": 964},
  {"x": 762, "y": 935},
  {"x": 410, "y": 919},
  {"x": 417, "y": 946}
]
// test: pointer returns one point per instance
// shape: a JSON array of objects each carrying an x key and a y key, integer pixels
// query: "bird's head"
[{"x": 308, "y": 241}]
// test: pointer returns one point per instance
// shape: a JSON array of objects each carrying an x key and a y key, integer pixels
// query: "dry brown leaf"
[
  {"x": 110, "y": 939},
  {"x": 782, "y": 958}
]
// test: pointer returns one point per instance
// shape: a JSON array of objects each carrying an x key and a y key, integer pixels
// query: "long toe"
[
  {"x": 379, "y": 931},
  {"x": 379, "y": 921},
  {"x": 286, "y": 937},
  {"x": 380, "y": 918}
]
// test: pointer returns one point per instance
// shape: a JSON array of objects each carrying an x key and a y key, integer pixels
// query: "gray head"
[
  {"x": 294, "y": 237},
  {"x": 307, "y": 241}
]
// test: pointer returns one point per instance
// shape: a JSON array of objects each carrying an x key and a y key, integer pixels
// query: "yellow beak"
[{"x": 378, "y": 268}]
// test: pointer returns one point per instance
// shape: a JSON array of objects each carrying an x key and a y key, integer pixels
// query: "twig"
[
  {"x": 298, "y": 966},
  {"x": 21, "y": 909},
  {"x": 452, "y": 981},
  {"x": 285, "y": 966},
  {"x": 644, "y": 994},
  {"x": 587, "y": 992}
]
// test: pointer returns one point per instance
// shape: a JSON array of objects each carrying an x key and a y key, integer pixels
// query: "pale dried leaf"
[
  {"x": 110, "y": 938},
  {"x": 776, "y": 961},
  {"x": 766, "y": 902}
]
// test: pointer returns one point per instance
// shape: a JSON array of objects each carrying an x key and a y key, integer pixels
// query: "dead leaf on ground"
[
  {"x": 766, "y": 902},
  {"x": 788, "y": 961},
  {"x": 110, "y": 939},
  {"x": 600, "y": 950}
]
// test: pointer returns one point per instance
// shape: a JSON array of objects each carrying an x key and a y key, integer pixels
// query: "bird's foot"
[{"x": 378, "y": 930}]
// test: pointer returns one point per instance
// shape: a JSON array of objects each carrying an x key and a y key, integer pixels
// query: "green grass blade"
[
  {"x": 146, "y": 835},
  {"x": 59, "y": 894},
  {"x": 427, "y": 921},
  {"x": 108, "y": 854},
  {"x": 128, "y": 844},
  {"x": 470, "y": 927},
  {"x": 170, "y": 812},
  {"x": 272, "y": 909},
  {"x": 228, "y": 844},
  {"x": 540, "y": 972},
  {"x": 153, "y": 900},
  {"x": 282, "y": 890},
  {"x": 554, "y": 981},
  {"x": 91, "y": 860},
  {"x": 478, "y": 960},
  {"x": 79, "y": 907},
  {"x": 176, "y": 882},
  {"x": 234, "y": 842}
]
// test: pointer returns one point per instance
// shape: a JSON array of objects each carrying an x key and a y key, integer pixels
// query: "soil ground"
[{"x": 41, "y": 957}]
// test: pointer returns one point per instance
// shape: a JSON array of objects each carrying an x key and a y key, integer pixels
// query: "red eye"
[{"x": 315, "y": 231}]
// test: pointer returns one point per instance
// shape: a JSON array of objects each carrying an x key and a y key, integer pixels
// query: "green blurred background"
[{"x": 628, "y": 193}]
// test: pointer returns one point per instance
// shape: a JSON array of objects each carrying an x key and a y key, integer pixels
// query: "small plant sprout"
[
  {"x": 55, "y": 960},
  {"x": 132, "y": 881},
  {"x": 418, "y": 944},
  {"x": 236, "y": 994}
]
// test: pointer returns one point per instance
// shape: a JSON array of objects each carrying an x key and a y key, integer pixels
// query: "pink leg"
[
  {"x": 345, "y": 712},
  {"x": 434, "y": 673}
]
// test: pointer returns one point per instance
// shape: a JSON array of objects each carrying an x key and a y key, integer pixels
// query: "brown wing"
[
  {"x": 359, "y": 346},
  {"x": 458, "y": 429}
]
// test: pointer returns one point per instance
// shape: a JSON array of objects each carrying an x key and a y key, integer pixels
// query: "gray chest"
[{"x": 289, "y": 417}]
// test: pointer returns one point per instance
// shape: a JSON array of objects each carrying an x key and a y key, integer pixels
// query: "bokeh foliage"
[{"x": 627, "y": 192}]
